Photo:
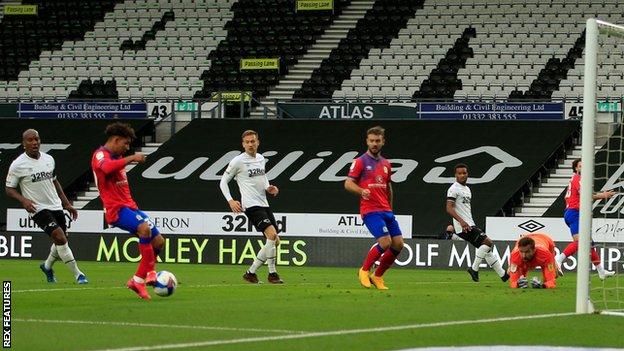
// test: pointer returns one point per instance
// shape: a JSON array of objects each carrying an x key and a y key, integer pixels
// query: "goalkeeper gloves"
[
  {"x": 536, "y": 283},
  {"x": 523, "y": 283}
]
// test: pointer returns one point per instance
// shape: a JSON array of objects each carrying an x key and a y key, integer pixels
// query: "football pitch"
[{"x": 317, "y": 309}]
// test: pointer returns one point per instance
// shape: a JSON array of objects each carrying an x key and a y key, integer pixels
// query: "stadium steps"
[
  {"x": 550, "y": 188},
  {"x": 91, "y": 192},
  {"x": 313, "y": 59}
]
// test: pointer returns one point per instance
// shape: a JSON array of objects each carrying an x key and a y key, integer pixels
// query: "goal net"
[{"x": 601, "y": 221}]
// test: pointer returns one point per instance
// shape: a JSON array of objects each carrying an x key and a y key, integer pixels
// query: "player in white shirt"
[
  {"x": 43, "y": 197},
  {"x": 248, "y": 169},
  {"x": 458, "y": 207}
]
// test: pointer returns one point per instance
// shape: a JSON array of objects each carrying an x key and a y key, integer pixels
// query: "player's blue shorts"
[
  {"x": 130, "y": 220},
  {"x": 382, "y": 224},
  {"x": 571, "y": 217}
]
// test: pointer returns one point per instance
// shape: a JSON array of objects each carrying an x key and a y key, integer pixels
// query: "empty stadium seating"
[
  {"x": 263, "y": 29},
  {"x": 514, "y": 42},
  {"x": 165, "y": 49}
]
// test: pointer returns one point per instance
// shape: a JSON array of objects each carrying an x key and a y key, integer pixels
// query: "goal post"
[{"x": 594, "y": 28}]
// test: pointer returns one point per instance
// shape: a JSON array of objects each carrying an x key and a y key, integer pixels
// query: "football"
[{"x": 165, "y": 284}]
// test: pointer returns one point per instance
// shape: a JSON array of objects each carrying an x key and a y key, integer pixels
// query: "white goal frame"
[{"x": 594, "y": 28}]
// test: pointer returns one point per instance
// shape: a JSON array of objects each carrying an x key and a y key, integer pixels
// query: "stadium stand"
[
  {"x": 263, "y": 29},
  {"x": 24, "y": 37},
  {"x": 376, "y": 29},
  {"x": 514, "y": 42},
  {"x": 168, "y": 68}
]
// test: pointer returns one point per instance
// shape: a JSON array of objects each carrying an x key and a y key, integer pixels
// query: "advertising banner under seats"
[
  {"x": 220, "y": 223},
  {"x": 349, "y": 110},
  {"x": 293, "y": 251},
  {"x": 309, "y": 159},
  {"x": 83, "y": 110},
  {"x": 71, "y": 143}
]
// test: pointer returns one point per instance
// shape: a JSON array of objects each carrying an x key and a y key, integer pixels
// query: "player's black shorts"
[
  {"x": 50, "y": 220},
  {"x": 475, "y": 236},
  {"x": 261, "y": 217}
]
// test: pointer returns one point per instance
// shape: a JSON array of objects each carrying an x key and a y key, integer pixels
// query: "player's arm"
[
  {"x": 108, "y": 165},
  {"x": 26, "y": 203},
  {"x": 549, "y": 272},
  {"x": 229, "y": 174},
  {"x": 350, "y": 183},
  {"x": 450, "y": 209},
  {"x": 12, "y": 182},
  {"x": 516, "y": 272},
  {"x": 66, "y": 204},
  {"x": 269, "y": 188},
  {"x": 603, "y": 195}
]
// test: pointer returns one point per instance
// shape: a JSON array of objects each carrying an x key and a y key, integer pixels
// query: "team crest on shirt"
[
  {"x": 551, "y": 267},
  {"x": 99, "y": 155},
  {"x": 379, "y": 179},
  {"x": 513, "y": 268}
]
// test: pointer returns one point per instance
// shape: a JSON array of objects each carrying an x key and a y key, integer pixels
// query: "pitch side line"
[
  {"x": 334, "y": 333},
  {"x": 152, "y": 325},
  {"x": 223, "y": 285}
]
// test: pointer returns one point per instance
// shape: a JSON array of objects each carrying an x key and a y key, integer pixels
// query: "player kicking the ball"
[
  {"x": 370, "y": 179},
  {"x": 458, "y": 206},
  {"x": 43, "y": 197},
  {"x": 248, "y": 169},
  {"x": 120, "y": 210}
]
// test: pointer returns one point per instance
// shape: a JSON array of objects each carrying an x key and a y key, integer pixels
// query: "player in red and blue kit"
[
  {"x": 369, "y": 178},
  {"x": 120, "y": 210},
  {"x": 571, "y": 217}
]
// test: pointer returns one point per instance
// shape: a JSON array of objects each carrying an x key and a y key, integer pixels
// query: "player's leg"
[
  {"x": 272, "y": 242},
  {"x": 376, "y": 226},
  {"x": 494, "y": 262},
  {"x": 478, "y": 239},
  {"x": 62, "y": 247},
  {"x": 261, "y": 221},
  {"x": 46, "y": 222},
  {"x": 157, "y": 243},
  {"x": 390, "y": 255},
  {"x": 134, "y": 223},
  {"x": 571, "y": 218}
]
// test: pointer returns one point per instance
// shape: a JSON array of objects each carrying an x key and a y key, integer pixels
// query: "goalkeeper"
[{"x": 533, "y": 250}]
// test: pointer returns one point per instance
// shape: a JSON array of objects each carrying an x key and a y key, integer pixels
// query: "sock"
[
  {"x": 373, "y": 255},
  {"x": 67, "y": 256},
  {"x": 571, "y": 249},
  {"x": 494, "y": 263},
  {"x": 53, "y": 256},
  {"x": 271, "y": 252},
  {"x": 156, "y": 252},
  {"x": 387, "y": 259},
  {"x": 147, "y": 262},
  {"x": 260, "y": 259},
  {"x": 479, "y": 256},
  {"x": 595, "y": 258}
]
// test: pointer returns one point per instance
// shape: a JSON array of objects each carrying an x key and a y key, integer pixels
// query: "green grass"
[{"x": 312, "y": 300}]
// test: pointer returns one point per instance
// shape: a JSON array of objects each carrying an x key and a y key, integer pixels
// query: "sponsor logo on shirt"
[
  {"x": 254, "y": 172},
  {"x": 41, "y": 176}
]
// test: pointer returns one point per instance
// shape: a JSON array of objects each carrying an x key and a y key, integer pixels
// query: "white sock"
[
  {"x": 600, "y": 269},
  {"x": 53, "y": 256},
  {"x": 259, "y": 260},
  {"x": 66, "y": 254},
  {"x": 479, "y": 256},
  {"x": 495, "y": 264},
  {"x": 271, "y": 254}
]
